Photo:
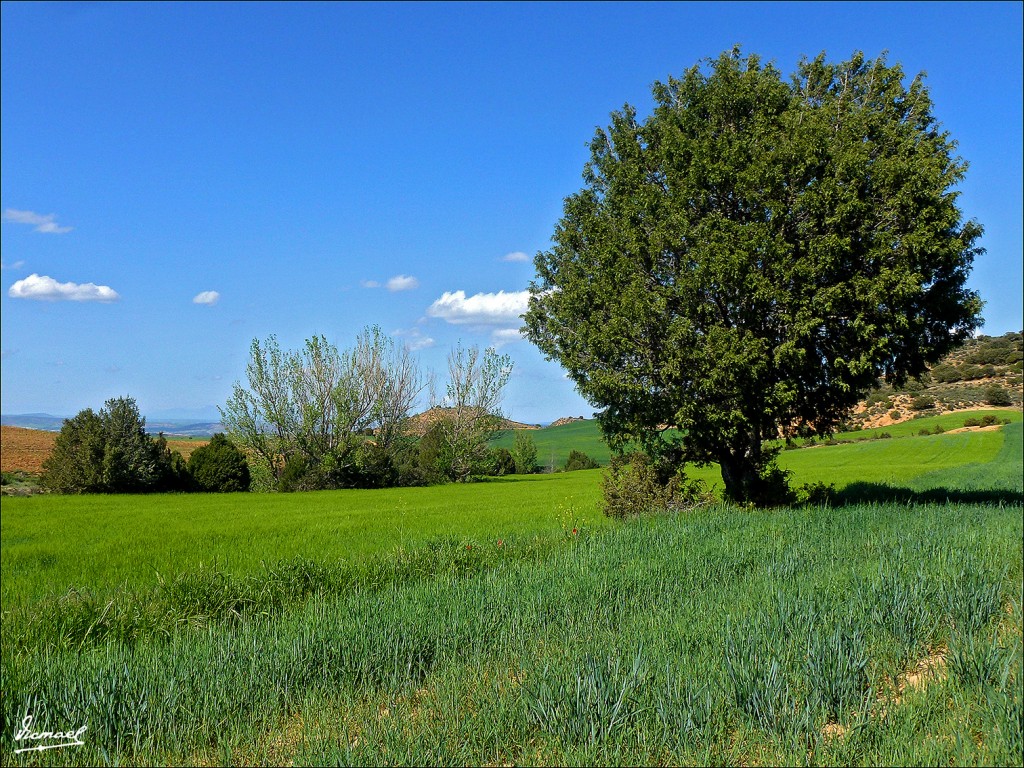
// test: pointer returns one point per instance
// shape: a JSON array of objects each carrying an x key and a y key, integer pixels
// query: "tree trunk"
[{"x": 741, "y": 470}]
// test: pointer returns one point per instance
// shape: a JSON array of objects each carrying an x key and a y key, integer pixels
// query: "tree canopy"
[
  {"x": 752, "y": 257},
  {"x": 110, "y": 452}
]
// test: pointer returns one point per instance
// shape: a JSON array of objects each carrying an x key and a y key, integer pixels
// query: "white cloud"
[
  {"x": 502, "y": 336},
  {"x": 414, "y": 340},
  {"x": 209, "y": 298},
  {"x": 403, "y": 283},
  {"x": 516, "y": 256},
  {"x": 369, "y": 284},
  {"x": 45, "y": 288},
  {"x": 15, "y": 265},
  {"x": 45, "y": 223},
  {"x": 481, "y": 308}
]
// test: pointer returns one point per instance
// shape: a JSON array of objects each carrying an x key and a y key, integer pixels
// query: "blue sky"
[{"x": 232, "y": 171}]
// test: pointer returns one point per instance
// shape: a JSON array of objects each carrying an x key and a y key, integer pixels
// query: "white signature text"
[{"x": 60, "y": 738}]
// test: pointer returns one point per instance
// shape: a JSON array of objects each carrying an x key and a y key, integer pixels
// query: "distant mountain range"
[{"x": 182, "y": 427}]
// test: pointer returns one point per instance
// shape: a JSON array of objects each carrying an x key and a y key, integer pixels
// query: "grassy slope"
[
  {"x": 59, "y": 541},
  {"x": 54, "y": 542},
  {"x": 727, "y": 637},
  {"x": 554, "y": 443}
]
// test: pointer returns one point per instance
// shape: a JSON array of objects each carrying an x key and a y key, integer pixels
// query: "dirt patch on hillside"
[
  {"x": 26, "y": 449},
  {"x": 565, "y": 420},
  {"x": 419, "y": 424},
  {"x": 989, "y": 428},
  {"x": 902, "y": 404}
]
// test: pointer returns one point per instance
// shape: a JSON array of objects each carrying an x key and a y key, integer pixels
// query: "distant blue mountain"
[{"x": 170, "y": 427}]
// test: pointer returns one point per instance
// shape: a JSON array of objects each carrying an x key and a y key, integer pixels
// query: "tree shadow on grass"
[{"x": 879, "y": 493}]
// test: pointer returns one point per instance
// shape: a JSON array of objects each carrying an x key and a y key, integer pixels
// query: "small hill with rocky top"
[
  {"x": 419, "y": 424},
  {"x": 986, "y": 371}
]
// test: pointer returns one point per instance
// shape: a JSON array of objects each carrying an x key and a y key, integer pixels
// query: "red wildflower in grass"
[
  {"x": 500, "y": 542},
  {"x": 468, "y": 546},
  {"x": 573, "y": 531}
]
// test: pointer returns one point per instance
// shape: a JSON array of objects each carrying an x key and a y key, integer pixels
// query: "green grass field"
[
  {"x": 509, "y": 622},
  {"x": 555, "y": 443}
]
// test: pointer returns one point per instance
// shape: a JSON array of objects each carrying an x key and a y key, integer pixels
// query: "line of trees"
[
  {"x": 320, "y": 417},
  {"x": 110, "y": 452}
]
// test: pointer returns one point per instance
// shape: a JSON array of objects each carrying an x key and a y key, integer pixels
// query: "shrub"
[
  {"x": 922, "y": 403},
  {"x": 988, "y": 420},
  {"x": 524, "y": 452},
  {"x": 579, "y": 460},
  {"x": 894, "y": 414},
  {"x": 219, "y": 467},
  {"x": 501, "y": 462},
  {"x": 816, "y": 493},
  {"x": 939, "y": 429},
  {"x": 946, "y": 374},
  {"x": 635, "y": 485},
  {"x": 997, "y": 395},
  {"x": 972, "y": 422}
]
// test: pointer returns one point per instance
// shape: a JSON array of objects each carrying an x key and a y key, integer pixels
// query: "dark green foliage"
[
  {"x": 985, "y": 421},
  {"x": 997, "y": 395},
  {"x": 502, "y": 462},
  {"x": 756, "y": 255},
  {"x": 579, "y": 460},
  {"x": 946, "y": 374},
  {"x": 171, "y": 467},
  {"x": 219, "y": 467},
  {"x": 922, "y": 403},
  {"x": 75, "y": 465},
  {"x": 110, "y": 452}
]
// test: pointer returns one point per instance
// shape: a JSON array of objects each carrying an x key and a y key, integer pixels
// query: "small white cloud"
[
  {"x": 369, "y": 284},
  {"x": 45, "y": 223},
  {"x": 209, "y": 298},
  {"x": 516, "y": 256},
  {"x": 403, "y": 283},
  {"x": 414, "y": 339},
  {"x": 44, "y": 288},
  {"x": 499, "y": 308},
  {"x": 503, "y": 336},
  {"x": 15, "y": 265}
]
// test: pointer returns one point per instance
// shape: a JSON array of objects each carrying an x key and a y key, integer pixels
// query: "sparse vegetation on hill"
[{"x": 987, "y": 370}]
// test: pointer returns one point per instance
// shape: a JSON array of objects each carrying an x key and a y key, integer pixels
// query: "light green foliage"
[
  {"x": 755, "y": 256},
  {"x": 605, "y": 648},
  {"x": 470, "y": 413},
  {"x": 524, "y": 452},
  {"x": 637, "y": 485},
  {"x": 307, "y": 408}
]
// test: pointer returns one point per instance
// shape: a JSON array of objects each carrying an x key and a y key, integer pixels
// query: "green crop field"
[
  {"x": 509, "y": 622},
  {"x": 555, "y": 443}
]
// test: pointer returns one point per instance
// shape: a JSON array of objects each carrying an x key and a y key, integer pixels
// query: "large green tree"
[{"x": 752, "y": 257}]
